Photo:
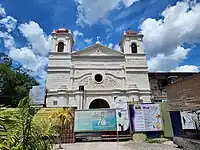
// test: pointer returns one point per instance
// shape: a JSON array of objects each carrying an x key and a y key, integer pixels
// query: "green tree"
[
  {"x": 5, "y": 59},
  {"x": 14, "y": 82}
]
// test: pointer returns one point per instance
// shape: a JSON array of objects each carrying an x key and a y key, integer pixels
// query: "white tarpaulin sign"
[
  {"x": 121, "y": 113},
  {"x": 190, "y": 120},
  {"x": 146, "y": 117}
]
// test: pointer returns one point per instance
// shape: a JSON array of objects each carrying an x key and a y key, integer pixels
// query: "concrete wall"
[{"x": 123, "y": 73}]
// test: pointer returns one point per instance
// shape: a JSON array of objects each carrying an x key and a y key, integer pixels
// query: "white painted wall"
[{"x": 123, "y": 74}]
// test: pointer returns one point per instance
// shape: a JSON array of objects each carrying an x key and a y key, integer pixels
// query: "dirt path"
[{"x": 117, "y": 146}]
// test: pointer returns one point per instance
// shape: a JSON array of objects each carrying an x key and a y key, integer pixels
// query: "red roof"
[
  {"x": 130, "y": 32},
  {"x": 60, "y": 30}
]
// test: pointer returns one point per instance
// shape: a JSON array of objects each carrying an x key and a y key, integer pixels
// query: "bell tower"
[
  {"x": 131, "y": 43},
  {"x": 62, "y": 41},
  {"x": 136, "y": 65},
  {"x": 59, "y": 67}
]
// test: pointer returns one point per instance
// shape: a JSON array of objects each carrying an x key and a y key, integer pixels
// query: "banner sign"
[
  {"x": 121, "y": 113},
  {"x": 190, "y": 119},
  {"x": 146, "y": 117},
  {"x": 95, "y": 120}
]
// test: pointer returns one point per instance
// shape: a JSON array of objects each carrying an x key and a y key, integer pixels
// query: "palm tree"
[
  {"x": 3, "y": 132},
  {"x": 63, "y": 115},
  {"x": 6, "y": 120},
  {"x": 24, "y": 133}
]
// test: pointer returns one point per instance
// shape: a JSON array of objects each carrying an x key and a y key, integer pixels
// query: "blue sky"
[{"x": 170, "y": 28}]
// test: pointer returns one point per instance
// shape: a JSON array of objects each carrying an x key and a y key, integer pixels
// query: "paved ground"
[{"x": 118, "y": 146}]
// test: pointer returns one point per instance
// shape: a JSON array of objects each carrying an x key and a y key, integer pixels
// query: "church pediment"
[{"x": 97, "y": 50}]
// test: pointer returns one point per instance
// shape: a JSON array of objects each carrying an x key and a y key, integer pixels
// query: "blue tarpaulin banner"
[{"x": 95, "y": 120}]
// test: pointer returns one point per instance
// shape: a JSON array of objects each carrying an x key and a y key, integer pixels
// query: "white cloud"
[
  {"x": 163, "y": 62},
  {"x": 29, "y": 60},
  {"x": 110, "y": 45},
  {"x": 91, "y": 11},
  {"x": 33, "y": 55},
  {"x": 128, "y": 3},
  {"x": 8, "y": 40},
  {"x": 36, "y": 37},
  {"x": 108, "y": 33},
  {"x": 2, "y": 11},
  {"x": 76, "y": 33},
  {"x": 180, "y": 25},
  {"x": 9, "y": 23},
  {"x": 124, "y": 13},
  {"x": 25, "y": 56},
  {"x": 186, "y": 68},
  {"x": 88, "y": 40},
  {"x": 116, "y": 47}
]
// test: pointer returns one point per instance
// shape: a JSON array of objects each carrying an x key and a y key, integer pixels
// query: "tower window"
[
  {"x": 60, "y": 47},
  {"x": 134, "y": 48}
]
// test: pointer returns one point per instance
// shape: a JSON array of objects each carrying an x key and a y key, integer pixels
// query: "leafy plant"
[
  {"x": 20, "y": 132},
  {"x": 64, "y": 116}
]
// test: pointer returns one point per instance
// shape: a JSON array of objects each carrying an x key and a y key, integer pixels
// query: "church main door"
[{"x": 99, "y": 103}]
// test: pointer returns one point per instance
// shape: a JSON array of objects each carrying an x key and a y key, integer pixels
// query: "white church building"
[{"x": 94, "y": 76}]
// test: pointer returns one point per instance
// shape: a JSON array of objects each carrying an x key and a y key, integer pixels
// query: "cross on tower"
[{"x": 98, "y": 37}]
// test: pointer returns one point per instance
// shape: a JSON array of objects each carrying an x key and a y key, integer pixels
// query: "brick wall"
[
  {"x": 184, "y": 95},
  {"x": 159, "y": 81}
]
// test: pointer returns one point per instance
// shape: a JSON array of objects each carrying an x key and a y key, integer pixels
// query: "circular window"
[{"x": 98, "y": 77}]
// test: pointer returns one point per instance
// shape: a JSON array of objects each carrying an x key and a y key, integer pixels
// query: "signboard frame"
[
  {"x": 89, "y": 131},
  {"x": 133, "y": 120},
  {"x": 190, "y": 120},
  {"x": 122, "y": 113}
]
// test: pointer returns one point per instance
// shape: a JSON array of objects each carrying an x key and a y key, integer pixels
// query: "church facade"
[{"x": 94, "y": 76}]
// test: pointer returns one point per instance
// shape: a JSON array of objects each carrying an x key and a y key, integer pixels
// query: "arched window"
[
  {"x": 134, "y": 48},
  {"x": 60, "y": 47}
]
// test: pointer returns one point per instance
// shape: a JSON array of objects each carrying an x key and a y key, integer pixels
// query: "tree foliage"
[
  {"x": 63, "y": 115},
  {"x": 14, "y": 82},
  {"x": 19, "y": 131}
]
